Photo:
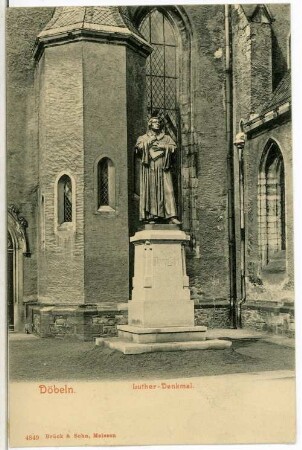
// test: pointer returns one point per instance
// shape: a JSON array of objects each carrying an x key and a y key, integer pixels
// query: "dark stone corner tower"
[{"x": 88, "y": 61}]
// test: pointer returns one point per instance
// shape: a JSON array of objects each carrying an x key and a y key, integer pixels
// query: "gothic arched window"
[
  {"x": 65, "y": 212},
  {"x": 106, "y": 184},
  {"x": 271, "y": 205},
  {"x": 162, "y": 68}
]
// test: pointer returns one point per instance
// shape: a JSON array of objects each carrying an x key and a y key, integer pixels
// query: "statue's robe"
[{"x": 156, "y": 189}]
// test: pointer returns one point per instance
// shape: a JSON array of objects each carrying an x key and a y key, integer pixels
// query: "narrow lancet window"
[
  {"x": 106, "y": 184},
  {"x": 64, "y": 200}
]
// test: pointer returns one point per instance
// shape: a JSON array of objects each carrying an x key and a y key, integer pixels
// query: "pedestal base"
[
  {"x": 133, "y": 348},
  {"x": 134, "y": 340},
  {"x": 168, "y": 334}
]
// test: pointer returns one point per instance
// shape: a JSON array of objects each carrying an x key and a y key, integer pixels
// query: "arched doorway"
[
  {"x": 17, "y": 248},
  {"x": 10, "y": 282}
]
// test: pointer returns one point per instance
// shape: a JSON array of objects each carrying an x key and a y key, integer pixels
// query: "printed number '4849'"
[{"x": 32, "y": 437}]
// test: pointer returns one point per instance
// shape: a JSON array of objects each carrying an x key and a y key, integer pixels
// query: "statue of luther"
[{"x": 157, "y": 200}]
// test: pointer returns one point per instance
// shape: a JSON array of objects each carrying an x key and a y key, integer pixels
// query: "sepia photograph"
[{"x": 150, "y": 225}]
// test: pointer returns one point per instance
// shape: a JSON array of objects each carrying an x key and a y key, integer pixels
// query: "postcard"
[{"x": 150, "y": 228}]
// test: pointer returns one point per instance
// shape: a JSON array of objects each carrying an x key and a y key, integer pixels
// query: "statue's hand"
[{"x": 156, "y": 146}]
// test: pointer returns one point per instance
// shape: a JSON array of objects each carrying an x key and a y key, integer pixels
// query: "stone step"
[
  {"x": 132, "y": 348},
  {"x": 164, "y": 334}
]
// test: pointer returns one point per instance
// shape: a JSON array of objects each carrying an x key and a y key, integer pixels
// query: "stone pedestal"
[
  {"x": 161, "y": 295},
  {"x": 161, "y": 313}
]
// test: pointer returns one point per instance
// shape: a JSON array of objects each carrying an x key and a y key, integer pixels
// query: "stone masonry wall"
[
  {"x": 210, "y": 263},
  {"x": 260, "y": 53},
  {"x": 272, "y": 319},
  {"x": 261, "y": 64},
  {"x": 72, "y": 321},
  {"x": 241, "y": 48},
  {"x": 105, "y": 130},
  {"x": 22, "y": 28},
  {"x": 280, "y": 40},
  {"x": 88, "y": 323},
  {"x": 61, "y": 260}
]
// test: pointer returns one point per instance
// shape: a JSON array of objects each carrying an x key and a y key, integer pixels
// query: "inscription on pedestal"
[{"x": 165, "y": 262}]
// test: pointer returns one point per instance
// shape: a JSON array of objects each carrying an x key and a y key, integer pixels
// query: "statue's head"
[{"x": 156, "y": 123}]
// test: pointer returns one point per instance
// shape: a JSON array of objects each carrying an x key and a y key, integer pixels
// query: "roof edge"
[
  {"x": 91, "y": 32},
  {"x": 262, "y": 119}
]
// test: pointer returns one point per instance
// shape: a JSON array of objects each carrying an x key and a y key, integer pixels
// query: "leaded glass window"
[
  {"x": 103, "y": 183},
  {"x": 106, "y": 184},
  {"x": 42, "y": 221},
  {"x": 64, "y": 199},
  {"x": 161, "y": 68},
  {"x": 67, "y": 200}
]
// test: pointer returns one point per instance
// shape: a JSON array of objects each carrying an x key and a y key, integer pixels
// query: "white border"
[
  {"x": 3, "y": 240},
  {"x": 29, "y": 3},
  {"x": 297, "y": 128}
]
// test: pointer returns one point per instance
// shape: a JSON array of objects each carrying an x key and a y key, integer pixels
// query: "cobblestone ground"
[{"x": 68, "y": 359}]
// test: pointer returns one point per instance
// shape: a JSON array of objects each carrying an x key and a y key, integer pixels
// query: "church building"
[{"x": 82, "y": 83}]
